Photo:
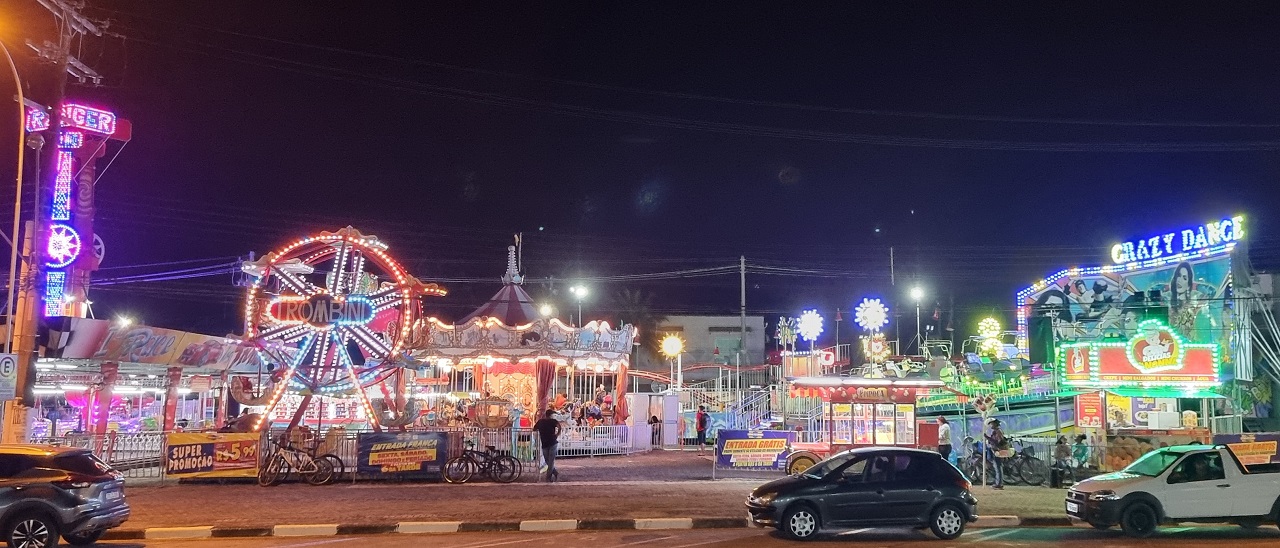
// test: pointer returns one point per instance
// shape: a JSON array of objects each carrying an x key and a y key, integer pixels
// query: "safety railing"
[{"x": 136, "y": 455}]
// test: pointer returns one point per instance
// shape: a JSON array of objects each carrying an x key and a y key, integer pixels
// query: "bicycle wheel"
[
  {"x": 338, "y": 466},
  {"x": 273, "y": 471},
  {"x": 1011, "y": 475},
  {"x": 458, "y": 470},
  {"x": 320, "y": 473},
  {"x": 1033, "y": 471},
  {"x": 505, "y": 469}
]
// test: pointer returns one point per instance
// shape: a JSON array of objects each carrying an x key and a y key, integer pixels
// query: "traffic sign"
[{"x": 8, "y": 376}]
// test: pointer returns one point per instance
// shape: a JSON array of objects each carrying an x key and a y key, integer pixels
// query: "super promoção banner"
[
  {"x": 753, "y": 449},
  {"x": 211, "y": 455},
  {"x": 410, "y": 455}
]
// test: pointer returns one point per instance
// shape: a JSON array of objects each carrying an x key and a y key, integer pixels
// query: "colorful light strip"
[
  {"x": 61, "y": 207},
  {"x": 55, "y": 287},
  {"x": 78, "y": 116}
]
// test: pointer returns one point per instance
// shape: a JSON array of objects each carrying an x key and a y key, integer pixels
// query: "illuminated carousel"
[{"x": 505, "y": 361}]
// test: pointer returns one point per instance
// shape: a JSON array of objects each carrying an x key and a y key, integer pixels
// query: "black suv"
[
  {"x": 868, "y": 487},
  {"x": 46, "y": 491}
]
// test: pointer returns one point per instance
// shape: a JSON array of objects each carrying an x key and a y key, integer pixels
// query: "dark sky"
[{"x": 650, "y": 137}]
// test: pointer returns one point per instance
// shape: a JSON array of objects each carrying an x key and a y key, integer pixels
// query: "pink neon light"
[
  {"x": 77, "y": 116},
  {"x": 62, "y": 188}
]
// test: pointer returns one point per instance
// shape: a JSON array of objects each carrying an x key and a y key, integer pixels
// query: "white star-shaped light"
[
  {"x": 871, "y": 314},
  {"x": 64, "y": 245},
  {"x": 810, "y": 325}
]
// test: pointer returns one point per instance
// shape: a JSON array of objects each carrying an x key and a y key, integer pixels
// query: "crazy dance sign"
[
  {"x": 753, "y": 449},
  {"x": 1180, "y": 242}
]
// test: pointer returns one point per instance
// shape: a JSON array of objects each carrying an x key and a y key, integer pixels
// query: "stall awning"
[
  {"x": 1196, "y": 394},
  {"x": 1067, "y": 394}
]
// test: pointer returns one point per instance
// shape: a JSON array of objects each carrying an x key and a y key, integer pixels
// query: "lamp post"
[
  {"x": 17, "y": 200},
  {"x": 546, "y": 310},
  {"x": 580, "y": 292},
  {"x": 917, "y": 293},
  {"x": 672, "y": 348}
]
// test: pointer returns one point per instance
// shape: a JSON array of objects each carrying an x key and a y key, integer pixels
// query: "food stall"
[
  {"x": 1148, "y": 392},
  {"x": 860, "y": 412}
]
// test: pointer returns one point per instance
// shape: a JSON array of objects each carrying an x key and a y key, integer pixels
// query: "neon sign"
[
  {"x": 871, "y": 314},
  {"x": 1177, "y": 243},
  {"x": 64, "y": 246},
  {"x": 321, "y": 310},
  {"x": 78, "y": 116},
  {"x": 55, "y": 286},
  {"x": 61, "y": 209},
  {"x": 810, "y": 325},
  {"x": 1156, "y": 356}
]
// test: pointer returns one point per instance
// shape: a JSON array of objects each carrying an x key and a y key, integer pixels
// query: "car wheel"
[
  {"x": 31, "y": 531},
  {"x": 947, "y": 522},
  {"x": 84, "y": 538},
  {"x": 1099, "y": 526},
  {"x": 800, "y": 522},
  {"x": 1139, "y": 520}
]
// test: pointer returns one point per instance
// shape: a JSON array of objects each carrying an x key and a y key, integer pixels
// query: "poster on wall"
[
  {"x": 206, "y": 455},
  {"x": 413, "y": 455},
  {"x": 753, "y": 449},
  {"x": 1089, "y": 410}
]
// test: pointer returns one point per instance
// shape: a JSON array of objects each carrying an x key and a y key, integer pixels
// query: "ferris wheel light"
[
  {"x": 810, "y": 325},
  {"x": 871, "y": 314}
]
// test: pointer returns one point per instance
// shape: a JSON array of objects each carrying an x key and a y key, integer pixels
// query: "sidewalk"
[{"x": 652, "y": 485}]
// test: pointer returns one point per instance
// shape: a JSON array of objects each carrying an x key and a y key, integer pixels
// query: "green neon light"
[{"x": 1183, "y": 346}]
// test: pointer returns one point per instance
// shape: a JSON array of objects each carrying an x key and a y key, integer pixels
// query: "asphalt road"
[{"x": 726, "y": 538}]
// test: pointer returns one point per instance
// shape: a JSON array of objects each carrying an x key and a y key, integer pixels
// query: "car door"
[
  {"x": 1251, "y": 495},
  {"x": 1198, "y": 488},
  {"x": 913, "y": 487},
  {"x": 854, "y": 496}
]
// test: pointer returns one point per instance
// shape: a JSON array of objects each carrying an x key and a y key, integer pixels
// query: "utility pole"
[
  {"x": 71, "y": 25},
  {"x": 897, "y": 313},
  {"x": 742, "y": 310}
]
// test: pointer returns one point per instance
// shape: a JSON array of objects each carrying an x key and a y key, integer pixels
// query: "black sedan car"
[{"x": 868, "y": 487}]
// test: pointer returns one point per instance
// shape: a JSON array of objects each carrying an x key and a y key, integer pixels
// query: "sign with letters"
[
  {"x": 208, "y": 455},
  {"x": 1179, "y": 242}
]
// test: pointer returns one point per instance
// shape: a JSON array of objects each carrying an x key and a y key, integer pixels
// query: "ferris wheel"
[{"x": 341, "y": 306}]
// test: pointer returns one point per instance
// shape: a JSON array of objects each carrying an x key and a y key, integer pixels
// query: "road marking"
[
  {"x": 734, "y": 539},
  {"x": 855, "y": 531},
  {"x": 487, "y": 545},
  {"x": 997, "y": 534},
  {"x": 643, "y": 541},
  {"x": 317, "y": 542}
]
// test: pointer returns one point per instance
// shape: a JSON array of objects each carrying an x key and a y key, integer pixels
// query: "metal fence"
[{"x": 136, "y": 455}]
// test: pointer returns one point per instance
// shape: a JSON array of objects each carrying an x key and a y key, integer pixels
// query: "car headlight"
[
  {"x": 1103, "y": 495},
  {"x": 766, "y": 498}
]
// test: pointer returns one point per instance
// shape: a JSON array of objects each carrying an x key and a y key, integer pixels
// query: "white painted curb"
[
  {"x": 428, "y": 526},
  {"x": 318, "y": 530},
  {"x": 549, "y": 525},
  {"x": 160, "y": 533},
  {"x": 664, "y": 523}
]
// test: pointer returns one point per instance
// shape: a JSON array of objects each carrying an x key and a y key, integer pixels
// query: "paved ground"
[
  {"x": 1038, "y": 537},
  {"x": 657, "y": 484}
]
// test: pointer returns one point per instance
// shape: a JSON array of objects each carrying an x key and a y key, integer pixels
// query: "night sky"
[{"x": 625, "y": 139}]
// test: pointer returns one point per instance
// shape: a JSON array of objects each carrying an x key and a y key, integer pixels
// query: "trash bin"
[{"x": 1055, "y": 478}]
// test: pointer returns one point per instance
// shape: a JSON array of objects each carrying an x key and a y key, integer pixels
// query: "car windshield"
[
  {"x": 1154, "y": 463},
  {"x": 824, "y": 468}
]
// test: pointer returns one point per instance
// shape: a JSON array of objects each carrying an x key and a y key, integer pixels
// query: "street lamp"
[
  {"x": 673, "y": 347},
  {"x": 546, "y": 310},
  {"x": 124, "y": 321},
  {"x": 917, "y": 293},
  {"x": 580, "y": 292}
]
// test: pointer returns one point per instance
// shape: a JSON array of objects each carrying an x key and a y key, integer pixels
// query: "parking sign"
[{"x": 8, "y": 376}]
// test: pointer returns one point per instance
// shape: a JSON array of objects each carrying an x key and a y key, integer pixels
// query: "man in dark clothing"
[
  {"x": 548, "y": 430},
  {"x": 700, "y": 421}
]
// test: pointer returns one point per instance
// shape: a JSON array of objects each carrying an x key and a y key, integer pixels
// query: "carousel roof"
[{"x": 512, "y": 305}]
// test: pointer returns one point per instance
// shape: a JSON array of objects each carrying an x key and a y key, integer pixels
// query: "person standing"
[
  {"x": 997, "y": 445},
  {"x": 548, "y": 430},
  {"x": 944, "y": 438},
  {"x": 700, "y": 422}
]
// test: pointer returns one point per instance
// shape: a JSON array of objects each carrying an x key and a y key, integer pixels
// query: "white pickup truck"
[{"x": 1186, "y": 483}]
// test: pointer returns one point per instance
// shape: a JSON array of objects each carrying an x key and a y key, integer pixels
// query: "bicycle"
[
  {"x": 971, "y": 464},
  {"x": 498, "y": 467},
  {"x": 1028, "y": 467},
  {"x": 286, "y": 459}
]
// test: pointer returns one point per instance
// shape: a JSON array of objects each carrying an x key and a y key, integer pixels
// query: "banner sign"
[
  {"x": 753, "y": 449},
  {"x": 103, "y": 340},
  {"x": 208, "y": 455},
  {"x": 1252, "y": 449},
  {"x": 1155, "y": 356},
  {"x": 418, "y": 455}
]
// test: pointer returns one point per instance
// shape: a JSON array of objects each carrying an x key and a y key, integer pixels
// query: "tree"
[{"x": 635, "y": 307}]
